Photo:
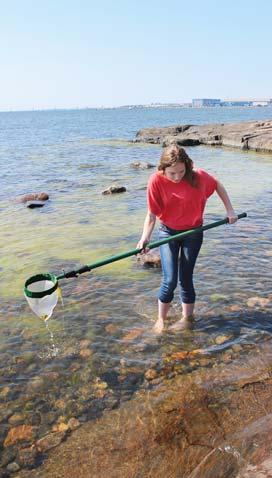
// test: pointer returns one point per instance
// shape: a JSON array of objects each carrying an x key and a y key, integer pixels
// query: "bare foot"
[
  {"x": 158, "y": 327},
  {"x": 183, "y": 323}
]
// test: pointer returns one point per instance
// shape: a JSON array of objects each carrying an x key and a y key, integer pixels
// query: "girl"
[{"x": 177, "y": 195}]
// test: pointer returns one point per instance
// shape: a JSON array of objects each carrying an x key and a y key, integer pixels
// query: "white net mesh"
[{"x": 43, "y": 307}]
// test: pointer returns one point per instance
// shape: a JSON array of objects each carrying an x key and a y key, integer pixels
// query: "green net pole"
[{"x": 151, "y": 245}]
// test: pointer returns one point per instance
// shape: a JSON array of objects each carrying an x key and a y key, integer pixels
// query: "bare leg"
[
  {"x": 187, "y": 310},
  {"x": 163, "y": 309},
  {"x": 187, "y": 316}
]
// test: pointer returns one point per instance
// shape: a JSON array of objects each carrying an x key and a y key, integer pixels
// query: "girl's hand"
[
  {"x": 232, "y": 217},
  {"x": 142, "y": 245}
]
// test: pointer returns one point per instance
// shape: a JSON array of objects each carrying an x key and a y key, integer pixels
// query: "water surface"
[{"x": 74, "y": 156}]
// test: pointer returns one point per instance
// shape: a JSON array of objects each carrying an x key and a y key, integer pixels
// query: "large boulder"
[{"x": 249, "y": 135}]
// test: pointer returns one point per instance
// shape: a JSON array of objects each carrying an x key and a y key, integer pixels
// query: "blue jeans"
[{"x": 178, "y": 258}]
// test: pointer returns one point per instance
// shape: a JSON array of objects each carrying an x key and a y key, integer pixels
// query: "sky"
[{"x": 86, "y": 53}]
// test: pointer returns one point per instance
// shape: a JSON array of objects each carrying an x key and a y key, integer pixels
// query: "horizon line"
[{"x": 138, "y": 105}]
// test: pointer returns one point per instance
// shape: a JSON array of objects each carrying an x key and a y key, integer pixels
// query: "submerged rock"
[
  {"x": 208, "y": 424},
  {"x": 21, "y": 433},
  {"x": 50, "y": 441},
  {"x": 150, "y": 259},
  {"x": 258, "y": 302},
  {"x": 133, "y": 334}
]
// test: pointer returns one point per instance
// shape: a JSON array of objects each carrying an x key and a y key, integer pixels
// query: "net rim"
[{"x": 38, "y": 278}]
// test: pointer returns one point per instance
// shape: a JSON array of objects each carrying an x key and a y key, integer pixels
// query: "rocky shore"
[
  {"x": 253, "y": 135},
  {"x": 213, "y": 423}
]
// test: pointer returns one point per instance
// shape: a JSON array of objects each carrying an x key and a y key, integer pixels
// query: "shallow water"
[{"x": 74, "y": 155}]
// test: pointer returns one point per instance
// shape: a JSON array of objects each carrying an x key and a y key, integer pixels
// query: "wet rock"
[
  {"x": 151, "y": 374},
  {"x": 8, "y": 455},
  {"x": 60, "y": 427},
  {"x": 35, "y": 204},
  {"x": 21, "y": 433},
  {"x": 142, "y": 165},
  {"x": 69, "y": 351},
  {"x": 33, "y": 197},
  {"x": 16, "y": 419},
  {"x": 192, "y": 426},
  {"x": 178, "y": 355},
  {"x": 50, "y": 441},
  {"x": 73, "y": 423},
  {"x": 48, "y": 418},
  {"x": 218, "y": 297},
  {"x": 27, "y": 457},
  {"x": 258, "y": 302},
  {"x": 150, "y": 259},
  {"x": 74, "y": 367},
  {"x": 235, "y": 308},
  {"x": 13, "y": 467},
  {"x": 99, "y": 384},
  {"x": 36, "y": 384},
  {"x": 34, "y": 419},
  {"x": 133, "y": 334},
  {"x": 25, "y": 358},
  {"x": 100, "y": 393},
  {"x": 85, "y": 353},
  {"x": 111, "y": 329},
  {"x": 247, "y": 135},
  {"x": 84, "y": 344},
  {"x": 220, "y": 339},
  {"x": 5, "y": 414},
  {"x": 114, "y": 189},
  {"x": 5, "y": 392},
  {"x": 60, "y": 404}
]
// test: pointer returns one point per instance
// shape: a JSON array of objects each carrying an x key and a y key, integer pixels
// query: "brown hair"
[{"x": 174, "y": 154}]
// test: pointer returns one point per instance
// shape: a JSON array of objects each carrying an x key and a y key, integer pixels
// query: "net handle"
[{"x": 151, "y": 245}]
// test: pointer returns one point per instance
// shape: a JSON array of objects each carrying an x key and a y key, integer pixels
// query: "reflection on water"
[{"x": 100, "y": 345}]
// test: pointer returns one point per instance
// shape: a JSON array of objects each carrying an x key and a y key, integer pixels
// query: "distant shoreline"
[{"x": 130, "y": 107}]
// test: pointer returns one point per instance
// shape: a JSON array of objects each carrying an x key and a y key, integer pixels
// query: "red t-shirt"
[{"x": 179, "y": 205}]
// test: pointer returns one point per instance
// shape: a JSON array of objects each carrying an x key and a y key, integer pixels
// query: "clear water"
[{"x": 74, "y": 156}]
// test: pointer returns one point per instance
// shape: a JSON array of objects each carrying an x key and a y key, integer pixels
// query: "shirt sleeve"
[
  {"x": 209, "y": 181},
  {"x": 154, "y": 200}
]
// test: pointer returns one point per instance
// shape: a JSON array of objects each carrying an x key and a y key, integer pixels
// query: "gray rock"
[
  {"x": 250, "y": 135},
  {"x": 114, "y": 189},
  {"x": 142, "y": 165}
]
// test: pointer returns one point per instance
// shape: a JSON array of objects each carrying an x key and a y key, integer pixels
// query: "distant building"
[
  {"x": 247, "y": 102},
  {"x": 261, "y": 103},
  {"x": 200, "y": 102},
  {"x": 237, "y": 103}
]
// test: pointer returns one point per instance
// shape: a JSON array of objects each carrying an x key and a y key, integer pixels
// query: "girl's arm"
[
  {"x": 149, "y": 224},
  {"x": 222, "y": 193}
]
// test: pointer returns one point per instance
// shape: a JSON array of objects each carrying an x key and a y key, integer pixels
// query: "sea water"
[{"x": 107, "y": 318}]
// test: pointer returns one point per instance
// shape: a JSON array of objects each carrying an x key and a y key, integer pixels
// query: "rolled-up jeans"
[{"x": 178, "y": 258}]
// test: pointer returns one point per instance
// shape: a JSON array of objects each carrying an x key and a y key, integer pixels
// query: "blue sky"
[{"x": 68, "y": 54}]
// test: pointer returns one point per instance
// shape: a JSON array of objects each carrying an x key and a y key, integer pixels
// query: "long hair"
[{"x": 174, "y": 154}]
